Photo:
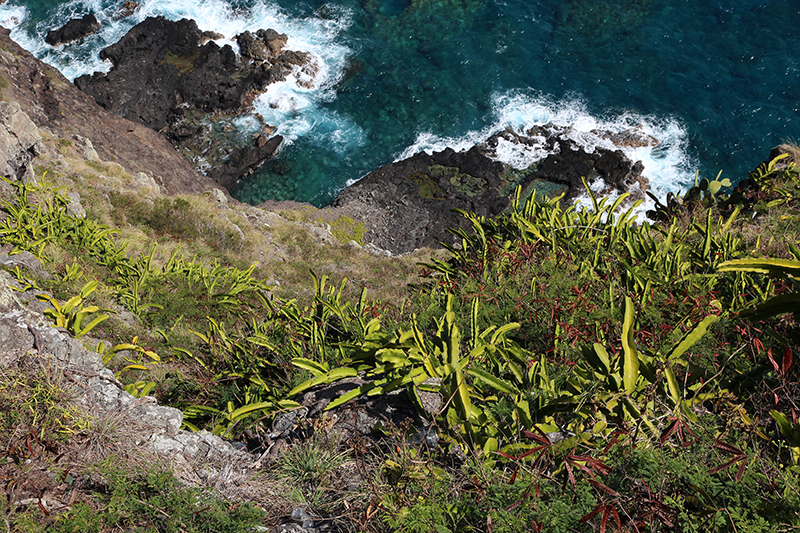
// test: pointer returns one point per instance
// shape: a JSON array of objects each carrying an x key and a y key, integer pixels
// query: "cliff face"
[{"x": 58, "y": 108}]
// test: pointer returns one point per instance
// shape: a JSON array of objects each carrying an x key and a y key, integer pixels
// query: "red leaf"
[
  {"x": 43, "y": 508},
  {"x": 513, "y": 476},
  {"x": 570, "y": 474},
  {"x": 740, "y": 473},
  {"x": 531, "y": 452},
  {"x": 599, "y": 507},
  {"x": 725, "y": 465},
  {"x": 771, "y": 360},
  {"x": 612, "y": 442},
  {"x": 604, "y": 519},
  {"x": 507, "y": 456},
  {"x": 603, "y": 487},
  {"x": 727, "y": 448},
  {"x": 669, "y": 431},
  {"x": 539, "y": 436},
  {"x": 616, "y": 518},
  {"x": 598, "y": 465},
  {"x": 787, "y": 360},
  {"x": 514, "y": 506}
]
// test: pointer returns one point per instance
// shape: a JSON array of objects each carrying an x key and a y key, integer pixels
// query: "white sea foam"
[
  {"x": 293, "y": 106},
  {"x": 668, "y": 165}
]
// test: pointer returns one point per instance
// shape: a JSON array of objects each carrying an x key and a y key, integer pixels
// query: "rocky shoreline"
[
  {"x": 174, "y": 79},
  {"x": 409, "y": 204}
]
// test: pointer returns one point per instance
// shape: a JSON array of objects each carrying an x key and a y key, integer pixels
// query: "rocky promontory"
[
  {"x": 173, "y": 78},
  {"x": 409, "y": 204}
]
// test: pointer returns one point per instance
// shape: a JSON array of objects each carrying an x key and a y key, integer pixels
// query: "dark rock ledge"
[{"x": 408, "y": 204}]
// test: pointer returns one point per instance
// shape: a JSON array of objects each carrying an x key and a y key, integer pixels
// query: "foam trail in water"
[
  {"x": 294, "y": 106},
  {"x": 667, "y": 165}
]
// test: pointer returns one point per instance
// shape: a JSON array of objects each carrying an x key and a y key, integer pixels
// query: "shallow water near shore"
[{"x": 717, "y": 84}]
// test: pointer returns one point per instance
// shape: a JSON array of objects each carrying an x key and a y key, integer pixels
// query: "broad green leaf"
[
  {"x": 355, "y": 393},
  {"x": 312, "y": 366},
  {"x": 69, "y": 304},
  {"x": 692, "y": 337},
  {"x": 630, "y": 374},
  {"x": 764, "y": 266},
  {"x": 602, "y": 355},
  {"x": 91, "y": 325},
  {"x": 329, "y": 377},
  {"x": 493, "y": 381},
  {"x": 247, "y": 409},
  {"x": 785, "y": 425},
  {"x": 392, "y": 356},
  {"x": 501, "y": 331},
  {"x": 672, "y": 383}
]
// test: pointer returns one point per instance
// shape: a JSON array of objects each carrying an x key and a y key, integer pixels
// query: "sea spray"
[
  {"x": 292, "y": 106},
  {"x": 668, "y": 165}
]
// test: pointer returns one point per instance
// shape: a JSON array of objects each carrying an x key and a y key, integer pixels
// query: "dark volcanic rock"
[
  {"x": 73, "y": 30},
  {"x": 161, "y": 64},
  {"x": 408, "y": 204},
  {"x": 244, "y": 161},
  {"x": 165, "y": 71},
  {"x": 127, "y": 9},
  {"x": 158, "y": 65}
]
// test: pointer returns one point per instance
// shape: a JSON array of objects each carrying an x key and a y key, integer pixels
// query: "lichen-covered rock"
[
  {"x": 24, "y": 332},
  {"x": 20, "y": 142}
]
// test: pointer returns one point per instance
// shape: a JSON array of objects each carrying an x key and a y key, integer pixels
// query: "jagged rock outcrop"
[
  {"x": 168, "y": 76},
  {"x": 245, "y": 160},
  {"x": 25, "y": 332},
  {"x": 59, "y": 109},
  {"x": 127, "y": 9},
  {"x": 408, "y": 204},
  {"x": 73, "y": 30},
  {"x": 20, "y": 142}
]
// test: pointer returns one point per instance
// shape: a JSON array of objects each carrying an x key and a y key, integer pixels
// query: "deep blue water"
[{"x": 718, "y": 82}]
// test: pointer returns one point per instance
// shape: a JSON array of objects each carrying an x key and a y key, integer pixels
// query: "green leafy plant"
[
  {"x": 72, "y": 313},
  {"x": 139, "y": 360}
]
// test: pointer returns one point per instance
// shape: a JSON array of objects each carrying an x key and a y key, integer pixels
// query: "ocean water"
[{"x": 716, "y": 82}]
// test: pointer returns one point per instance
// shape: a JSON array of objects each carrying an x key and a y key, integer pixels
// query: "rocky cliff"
[{"x": 38, "y": 95}]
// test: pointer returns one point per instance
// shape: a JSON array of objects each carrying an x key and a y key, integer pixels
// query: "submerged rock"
[
  {"x": 127, "y": 9},
  {"x": 246, "y": 160}
]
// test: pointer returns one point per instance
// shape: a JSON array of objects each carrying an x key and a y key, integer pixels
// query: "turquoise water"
[{"x": 717, "y": 82}]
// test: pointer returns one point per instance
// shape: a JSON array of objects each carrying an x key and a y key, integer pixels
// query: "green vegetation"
[
  {"x": 345, "y": 229},
  {"x": 595, "y": 373},
  {"x": 54, "y": 451}
]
